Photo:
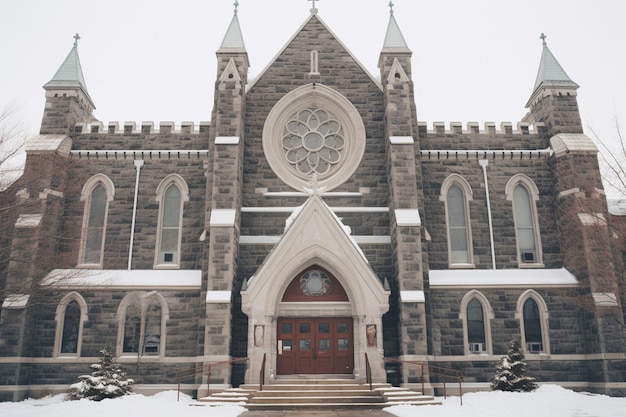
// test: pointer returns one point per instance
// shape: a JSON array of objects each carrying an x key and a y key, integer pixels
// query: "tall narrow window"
[
  {"x": 152, "y": 337},
  {"x": 97, "y": 193},
  {"x": 475, "y": 326},
  {"x": 455, "y": 193},
  {"x": 142, "y": 324},
  {"x": 132, "y": 329},
  {"x": 71, "y": 328},
  {"x": 70, "y": 315},
  {"x": 523, "y": 193},
  {"x": 171, "y": 194},
  {"x": 532, "y": 312},
  {"x": 457, "y": 226},
  {"x": 532, "y": 327},
  {"x": 170, "y": 226},
  {"x": 524, "y": 225}
]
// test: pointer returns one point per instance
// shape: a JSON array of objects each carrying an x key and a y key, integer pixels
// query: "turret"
[
  {"x": 553, "y": 101},
  {"x": 67, "y": 99}
]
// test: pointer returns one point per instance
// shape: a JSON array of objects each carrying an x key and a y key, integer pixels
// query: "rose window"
[{"x": 313, "y": 141}]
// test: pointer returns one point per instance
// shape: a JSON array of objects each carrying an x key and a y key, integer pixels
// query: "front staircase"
[{"x": 316, "y": 394}]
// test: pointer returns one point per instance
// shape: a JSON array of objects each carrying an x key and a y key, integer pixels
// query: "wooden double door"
[{"x": 315, "y": 346}]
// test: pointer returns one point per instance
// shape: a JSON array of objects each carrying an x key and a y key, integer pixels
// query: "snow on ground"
[{"x": 548, "y": 400}]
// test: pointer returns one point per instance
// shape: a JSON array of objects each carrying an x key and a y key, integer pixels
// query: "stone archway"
[{"x": 316, "y": 238}]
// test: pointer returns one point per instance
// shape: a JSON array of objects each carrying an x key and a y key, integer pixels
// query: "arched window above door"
[{"x": 315, "y": 284}]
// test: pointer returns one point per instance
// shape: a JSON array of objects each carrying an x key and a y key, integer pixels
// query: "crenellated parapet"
[
  {"x": 489, "y": 128},
  {"x": 489, "y": 137},
  {"x": 143, "y": 128},
  {"x": 131, "y": 136}
]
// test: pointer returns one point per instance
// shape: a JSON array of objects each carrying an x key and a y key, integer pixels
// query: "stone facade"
[{"x": 379, "y": 218}]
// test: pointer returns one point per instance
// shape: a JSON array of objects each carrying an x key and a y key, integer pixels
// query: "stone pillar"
[
  {"x": 586, "y": 244},
  {"x": 223, "y": 203},
  {"x": 404, "y": 175}
]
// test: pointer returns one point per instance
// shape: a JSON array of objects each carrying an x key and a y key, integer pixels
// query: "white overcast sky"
[{"x": 154, "y": 60}]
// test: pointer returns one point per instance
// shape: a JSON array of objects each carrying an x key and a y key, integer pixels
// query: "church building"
[{"x": 315, "y": 226}]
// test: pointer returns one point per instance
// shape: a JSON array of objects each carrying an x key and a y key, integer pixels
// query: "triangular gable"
[
  {"x": 315, "y": 237},
  {"x": 397, "y": 73},
  {"x": 304, "y": 25},
  {"x": 230, "y": 73}
]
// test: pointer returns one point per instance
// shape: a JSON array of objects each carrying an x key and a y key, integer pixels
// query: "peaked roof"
[
  {"x": 314, "y": 235},
  {"x": 394, "y": 41},
  {"x": 233, "y": 40},
  {"x": 70, "y": 74},
  {"x": 551, "y": 73},
  {"x": 311, "y": 19}
]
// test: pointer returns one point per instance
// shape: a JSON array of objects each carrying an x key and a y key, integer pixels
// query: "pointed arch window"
[
  {"x": 97, "y": 193},
  {"x": 476, "y": 314},
  {"x": 171, "y": 194},
  {"x": 523, "y": 193},
  {"x": 70, "y": 315},
  {"x": 456, "y": 193},
  {"x": 142, "y": 326},
  {"x": 533, "y": 315}
]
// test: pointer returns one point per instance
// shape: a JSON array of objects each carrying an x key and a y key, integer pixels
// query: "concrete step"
[{"x": 317, "y": 394}]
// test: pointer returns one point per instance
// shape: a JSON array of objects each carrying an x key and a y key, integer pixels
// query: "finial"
[
  {"x": 313, "y": 9},
  {"x": 543, "y": 39},
  {"x": 236, "y": 4},
  {"x": 76, "y": 38},
  {"x": 391, "y": 7},
  {"x": 315, "y": 188}
]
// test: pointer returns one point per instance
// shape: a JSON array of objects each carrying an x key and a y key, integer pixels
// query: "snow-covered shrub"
[
  {"x": 107, "y": 380},
  {"x": 511, "y": 372}
]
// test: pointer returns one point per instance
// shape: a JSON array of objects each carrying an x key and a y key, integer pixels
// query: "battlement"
[
  {"x": 144, "y": 128},
  {"x": 473, "y": 128}
]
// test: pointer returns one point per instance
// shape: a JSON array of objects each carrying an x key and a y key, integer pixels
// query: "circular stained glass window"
[
  {"x": 314, "y": 283},
  {"x": 313, "y": 141}
]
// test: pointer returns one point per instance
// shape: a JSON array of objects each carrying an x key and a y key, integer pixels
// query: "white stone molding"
[{"x": 407, "y": 217}]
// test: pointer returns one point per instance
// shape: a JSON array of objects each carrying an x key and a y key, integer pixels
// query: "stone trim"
[
  {"x": 218, "y": 297},
  {"x": 272, "y": 240},
  {"x": 59, "y": 144},
  {"x": 123, "y": 280},
  {"x": 15, "y": 301},
  {"x": 501, "y": 278},
  {"x": 28, "y": 221},
  {"x": 605, "y": 299},
  {"x": 412, "y": 297},
  {"x": 401, "y": 140},
  {"x": 407, "y": 217},
  {"x": 227, "y": 140},
  {"x": 564, "y": 143},
  {"x": 223, "y": 218},
  {"x": 322, "y": 97}
]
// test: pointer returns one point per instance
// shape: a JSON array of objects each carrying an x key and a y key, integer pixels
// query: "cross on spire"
[
  {"x": 543, "y": 39},
  {"x": 313, "y": 9},
  {"x": 236, "y": 4},
  {"x": 76, "y": 38},
  {"x": 391, "y": 7}
]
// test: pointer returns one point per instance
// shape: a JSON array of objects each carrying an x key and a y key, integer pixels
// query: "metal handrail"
[
  {"x": 192, "y": 372},
  {"x": 368, "y": 371},
  {"x": 437, "y": 371},
  {"x": 262, "y": 374}
]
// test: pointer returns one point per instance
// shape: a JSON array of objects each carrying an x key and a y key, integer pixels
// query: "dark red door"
[{"x": 315, "y": 346}]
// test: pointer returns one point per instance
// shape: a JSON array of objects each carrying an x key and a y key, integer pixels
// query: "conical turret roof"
[
  {"x": 551, "y": 73},
  {"x": 70, "y": 73},
  {"x": 233, "y": 40},
  {"x": 394, "y": 40}
]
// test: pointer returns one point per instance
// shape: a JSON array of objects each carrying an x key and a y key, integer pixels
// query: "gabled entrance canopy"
[{"x": 315, "y": 237}]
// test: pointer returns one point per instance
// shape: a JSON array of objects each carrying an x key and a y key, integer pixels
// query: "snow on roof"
[
  {"x": 113, "y": 279},
  {"x": 466, "y": 278}
]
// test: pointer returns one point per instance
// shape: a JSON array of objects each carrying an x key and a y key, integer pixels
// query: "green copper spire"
[
  {"x": 70, "y": 73},
  {"x": 233, "y": 41},
  {"x": 550, "y": 73},
  {"x": 394, "y": 41}
]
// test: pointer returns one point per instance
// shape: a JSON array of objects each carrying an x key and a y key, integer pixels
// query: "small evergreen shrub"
[
  {"x": 511, "y": 372},
  {"x": 107, "y": 380}
]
